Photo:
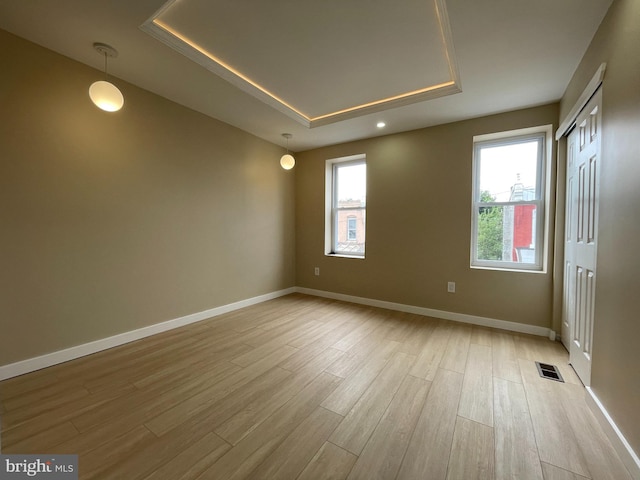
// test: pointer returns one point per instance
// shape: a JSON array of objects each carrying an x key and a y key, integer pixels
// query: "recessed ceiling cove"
[{"x": 318, "y": 61}]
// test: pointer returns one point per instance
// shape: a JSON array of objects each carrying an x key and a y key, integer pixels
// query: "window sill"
[
  {"x": 507, "y": 269},
  {"x": 344, "y": 255}
]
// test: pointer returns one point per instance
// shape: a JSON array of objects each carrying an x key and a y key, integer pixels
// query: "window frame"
[
  {"x": 331, "y": 209},
  {"x": 541, "y": 202}
]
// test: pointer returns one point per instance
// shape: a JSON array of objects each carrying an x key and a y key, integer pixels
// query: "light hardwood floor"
[{"x": 308, "y": 388}]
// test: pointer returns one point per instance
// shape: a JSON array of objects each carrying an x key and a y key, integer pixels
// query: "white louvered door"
[{"x": 581, "y": 231}]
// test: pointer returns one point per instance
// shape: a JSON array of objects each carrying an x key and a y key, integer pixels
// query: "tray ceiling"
[{"x": 298, "y": 56}]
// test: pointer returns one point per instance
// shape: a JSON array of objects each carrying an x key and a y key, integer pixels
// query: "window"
[
  {"x": 351, "y": 229},
  {"x": 509, "y": 199},
  {"x": 346, "y": 203}
]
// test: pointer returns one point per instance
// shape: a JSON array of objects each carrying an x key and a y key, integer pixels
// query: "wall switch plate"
[
  {"x": 316, "y": 271},
  {"x": 451, "y": 287}
]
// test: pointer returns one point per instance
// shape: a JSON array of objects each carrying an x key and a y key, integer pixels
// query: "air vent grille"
[{"x": 549, "y": 371}]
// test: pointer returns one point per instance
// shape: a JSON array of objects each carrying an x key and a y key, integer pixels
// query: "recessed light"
[{"x": 381, "y": 125}]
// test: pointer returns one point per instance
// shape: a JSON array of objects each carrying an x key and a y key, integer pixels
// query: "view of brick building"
[
  {"x": 351, "y": 226},
  {"x": 519, "y": 227}
]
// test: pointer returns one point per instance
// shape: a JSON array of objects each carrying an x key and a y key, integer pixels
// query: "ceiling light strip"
[
  {"x": 385, "y": 100},
  {"x": 447, "y": 40}
]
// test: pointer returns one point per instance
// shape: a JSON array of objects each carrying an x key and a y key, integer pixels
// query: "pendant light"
[
  {"x": 105, "y": 95},
  {"x": 287, "y": 161}
]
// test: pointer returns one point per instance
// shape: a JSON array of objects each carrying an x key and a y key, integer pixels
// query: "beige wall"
[
  {"x": 111, "y": 222},
  {"x": 418, "y": 225},
  {"x": 616, "y": 361}
]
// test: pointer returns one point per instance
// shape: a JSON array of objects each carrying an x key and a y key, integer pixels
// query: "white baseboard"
[
  {"x": 61, "y": 356},
  {"x": 429, "y": 312},
  {"x": 622, "y": 447}
]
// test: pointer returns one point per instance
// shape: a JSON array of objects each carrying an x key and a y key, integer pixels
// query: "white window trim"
[
  {"x": 542, "y": 203},
  {"x": 329, "y": 215}
]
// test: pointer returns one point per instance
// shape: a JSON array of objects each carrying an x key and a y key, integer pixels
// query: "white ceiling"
[{"x": 291, "y": 65}]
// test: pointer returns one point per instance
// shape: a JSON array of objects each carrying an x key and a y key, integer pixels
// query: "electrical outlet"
[
  {"x": 451, "y": 287},
  {"x": 316, "y": 271}
]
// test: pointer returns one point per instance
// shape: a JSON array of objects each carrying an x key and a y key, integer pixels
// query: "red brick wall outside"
[{"x": 522, "y": 228}]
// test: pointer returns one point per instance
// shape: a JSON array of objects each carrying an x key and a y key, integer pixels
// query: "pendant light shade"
[
  {"x": 105, "y": 95},
  {"x": 287, "y": 161}
]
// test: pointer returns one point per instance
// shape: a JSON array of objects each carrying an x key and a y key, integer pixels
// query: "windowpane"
[
  {"x": 350, "y": 231},
  {"x": 351, "y": 184},
  {"x": 503, "y": 168},
  {"x": 507, "y": 234}
]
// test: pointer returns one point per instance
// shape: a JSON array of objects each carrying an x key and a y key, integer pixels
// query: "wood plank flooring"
[{"x": 312, "y": 389}]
